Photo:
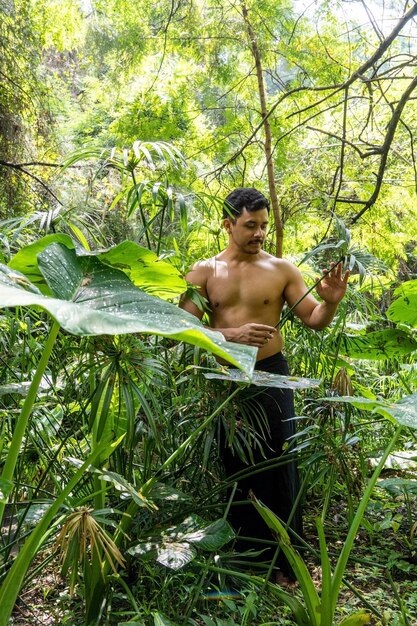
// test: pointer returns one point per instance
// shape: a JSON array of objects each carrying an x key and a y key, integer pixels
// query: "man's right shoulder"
[
  {"x": 201, "y": 271},
  {"x": 204, "y": 265}
]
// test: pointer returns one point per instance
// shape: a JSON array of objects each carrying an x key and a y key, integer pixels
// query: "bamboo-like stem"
[
  {"x": 132, "y": 508},
  {"x": 290, "y": 310},
  {"x": 22, "y": 420},
  {"x": 142, "y": 214},
  {"x": 270, "y": 168},
  {"x": 354, "y": 527}
]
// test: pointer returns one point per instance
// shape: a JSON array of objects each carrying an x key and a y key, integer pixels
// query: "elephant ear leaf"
[
  {"x": 403, "y": 412},
  {"x": 94, "y": 299},
  {"x": 377, "y": 345},
  {"x": 13, "y": 278},
  {"x": 61, "y": 270},
  {"x": 26, "y": 259},
  {"x": 144, "y": 268}
]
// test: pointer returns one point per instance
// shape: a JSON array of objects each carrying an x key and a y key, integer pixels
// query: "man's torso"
[{"x": 243, "y": 292}]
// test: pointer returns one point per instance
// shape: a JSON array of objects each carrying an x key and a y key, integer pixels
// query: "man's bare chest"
[{"x": 251, "y": 288}]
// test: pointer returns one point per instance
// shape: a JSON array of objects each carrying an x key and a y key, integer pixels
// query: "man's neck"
[{"x": 234, "y": 255}]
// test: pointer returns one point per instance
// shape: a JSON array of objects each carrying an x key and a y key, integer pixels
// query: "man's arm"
[
  {"x": 331, "y": 289},
  {"x": 196, "y": 276}
]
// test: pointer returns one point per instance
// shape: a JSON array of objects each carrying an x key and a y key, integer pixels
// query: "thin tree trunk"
[{"x": 279, "y": 231}]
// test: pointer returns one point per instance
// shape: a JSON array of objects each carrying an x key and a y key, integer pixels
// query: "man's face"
[{"x": 248, "y": 232}]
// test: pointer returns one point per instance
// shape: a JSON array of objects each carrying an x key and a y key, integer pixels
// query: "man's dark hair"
[{"x": 244, "y": 198}]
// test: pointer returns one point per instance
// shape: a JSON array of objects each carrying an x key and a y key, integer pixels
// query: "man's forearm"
[
  {"x": 228, "y": 333},
  {"x": 322, "y": 315}
]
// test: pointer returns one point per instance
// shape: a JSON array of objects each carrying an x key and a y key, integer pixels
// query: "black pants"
[{"x": 276, "y": 487}]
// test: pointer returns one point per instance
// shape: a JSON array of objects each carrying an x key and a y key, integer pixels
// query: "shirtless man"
[{"x": 246, "y": 289}]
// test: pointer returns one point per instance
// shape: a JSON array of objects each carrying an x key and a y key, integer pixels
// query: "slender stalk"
[
  {"x": 293, "y": 602},
  {"x": 326, "y": 577},
  {"x": 288, "y": 313},
  {"x": 399, "y": 600},
  {"x": 161, "y": 227},
  {"x": 145, "y": 224},
  {"x": 127, "y": 591},
  {"x": 354, "y": 527},
  {"x": 22, "y": 420},
  {"x": 133, "y": 507},
  {"x": 179, "y": 451}
]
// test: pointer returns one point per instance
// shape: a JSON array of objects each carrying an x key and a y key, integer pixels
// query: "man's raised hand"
[{"x": 332, "y": 287}]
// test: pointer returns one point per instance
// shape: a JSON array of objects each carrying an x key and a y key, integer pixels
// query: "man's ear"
[{"x": 227, "y": 222}]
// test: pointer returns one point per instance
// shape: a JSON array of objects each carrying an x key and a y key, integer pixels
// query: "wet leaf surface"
[
  {"x": 140, "y": 265},
  {"x": 106, "y": 302},
  {"x": 264, "y": 379},
  {"x": 403, "y": 412}
]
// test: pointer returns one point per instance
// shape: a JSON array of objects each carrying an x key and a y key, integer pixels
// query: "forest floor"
[{"x": 381, "y": 576}]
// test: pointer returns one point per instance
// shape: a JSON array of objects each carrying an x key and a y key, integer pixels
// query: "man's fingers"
[
  {"x": 258, "y": 335},
  {"x": 262, "y": 328}
]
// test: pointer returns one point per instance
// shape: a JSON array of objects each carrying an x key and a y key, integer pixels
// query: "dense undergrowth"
[{"x": 113, "y": 503}]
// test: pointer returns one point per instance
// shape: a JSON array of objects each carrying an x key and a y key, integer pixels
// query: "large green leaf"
[
  {"x": 6, "y": 487},
  {"x": 159, "y": 619},
  {"x": 404, "y": 411},
  {"x": 105, "y": 302},
  {"x": 404, "y": 309},
  {"x": 14, "y": 278},
  {"x": 20, "y": 389},
  {"x": 142, "y": 266},
  {"x": 175, "y": 546},
  {"x": 145, "y": 269},
  {"x": 361, "y": 618},
  {"x": 397, "y": 486},
  {"x": 310, "y": 595},
  {"x": 264, "y": 379},
  {"x": 26, "y": 261},
  {"x": 383, "y": 344},
  {"x": 211, "y": 537},
  {"x": 175, "y": 555}
]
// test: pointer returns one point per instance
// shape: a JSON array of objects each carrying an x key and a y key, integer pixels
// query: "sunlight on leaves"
[
  {"x": 174, "y": 548},
  {"x": 106, "y": 302},
  {"x": 404, "y": 309},
  {"x": 143, "y": 267},
  {"x": 20, "y": 389},
  {"x": 404, "y": 411},
  {"x": 175, "y": 555},
  {"x": 378, "y": 345}
]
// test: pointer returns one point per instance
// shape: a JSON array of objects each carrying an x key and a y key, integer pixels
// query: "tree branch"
[
  {"x": 20, "y": 168},
  {"x": 392, "y": 126}
]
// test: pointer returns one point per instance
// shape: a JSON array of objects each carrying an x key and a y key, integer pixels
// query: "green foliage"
[
  {"x": 82, "y": 282},
  {"x": 321, "y": 610},
  {"x": 110, "y": 83},
  {"x": 382, "y": 344},
  {"x": 176, "y": 546},
  {"x": 92, "y": 298}
]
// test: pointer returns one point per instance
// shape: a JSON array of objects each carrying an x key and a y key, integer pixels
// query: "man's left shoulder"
[{"x": 275, "y": 262}]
